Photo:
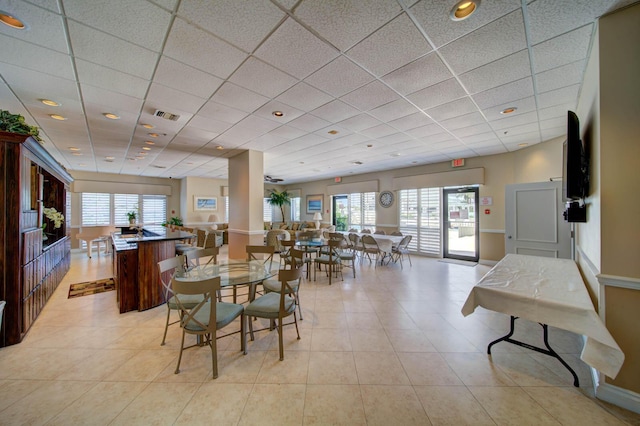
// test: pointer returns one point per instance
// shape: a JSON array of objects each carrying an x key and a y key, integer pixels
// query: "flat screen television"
[{"x": 575, "y": 174}]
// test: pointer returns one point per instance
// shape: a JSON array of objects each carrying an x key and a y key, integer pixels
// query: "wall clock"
[{"x": 386, "y": 198}]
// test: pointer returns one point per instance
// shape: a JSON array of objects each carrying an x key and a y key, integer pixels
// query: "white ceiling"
[{"x": 397, "y": 75}]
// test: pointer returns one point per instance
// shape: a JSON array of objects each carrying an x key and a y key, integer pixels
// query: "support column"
[{"x": 246, "y": 194}]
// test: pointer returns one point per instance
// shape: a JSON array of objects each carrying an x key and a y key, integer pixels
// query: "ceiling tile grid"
[{"x": 399, "y": 75}]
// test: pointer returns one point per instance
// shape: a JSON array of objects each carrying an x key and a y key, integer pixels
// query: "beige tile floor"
[{"x": 389, "y": 347}]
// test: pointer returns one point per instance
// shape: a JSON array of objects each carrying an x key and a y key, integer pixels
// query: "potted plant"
[
  {"x": 175, "y": 221},
  {"x": 132, "y": 215},
  {"x": 279, "y": 199},
  {"x": 14, "y": 123}
]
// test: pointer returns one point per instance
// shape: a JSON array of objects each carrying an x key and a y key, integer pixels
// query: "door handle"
[{"x": 509, "y": 237}]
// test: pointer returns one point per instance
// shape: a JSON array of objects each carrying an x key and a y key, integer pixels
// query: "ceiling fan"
[{"x": 268, "y": 178}]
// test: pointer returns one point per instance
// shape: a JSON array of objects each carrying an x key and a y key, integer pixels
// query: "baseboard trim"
[
  {"x": 624, "y": 398},
  {"x": 488, "y": 262}
]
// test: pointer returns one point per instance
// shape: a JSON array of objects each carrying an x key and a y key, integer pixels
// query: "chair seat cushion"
[
  {"x": 225, "y": 314},
  {"x": 275, "y": 285},
  {"x": 188, "y": 301},
  {"x": 268, "y": 306}
]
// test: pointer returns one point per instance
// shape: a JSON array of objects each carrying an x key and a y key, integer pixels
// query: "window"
[
  {"x": 96, "y": 209},
  {"x": 295, "y": 209},
  {"x": 360, "y": 210},
  {"x": 266, "y": 210},
  {"x": 123, "y": 204},
  {"x": 420, "y": 217},
  {"x": 101, "y": 209},
  {"x": 154, "y": 209},
  {"x": 226, "y": 210}
]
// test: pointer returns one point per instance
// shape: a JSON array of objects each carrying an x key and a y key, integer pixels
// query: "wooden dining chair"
[
  {"x": 275, "y": 306},
  {"x": 207, "y": 316}
]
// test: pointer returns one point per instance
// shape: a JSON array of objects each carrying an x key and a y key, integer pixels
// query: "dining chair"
[
  {"x": 297, "y": 260},
  {"x": 370, "y": 246},
  {"x": 380, "y": 232},
  {"x": 263, "y": 254},
  {"x": 397, "y": 233},
  {"x": 275, "y": 306},
  {"x": 206, "y": 317},
  {"x": 193, "y": 256},
  {"x": 331, "y": 261},
  {"x": 365, "y": 231},
  {"x": 300, "y": 262},
  {"x": 168, "y": 268},
  {"x": 402, "y": 249},
  {"x": 183, "y": 247},
  {"x": 344, "y": 251},
  {"x": 356, "y": 245}
]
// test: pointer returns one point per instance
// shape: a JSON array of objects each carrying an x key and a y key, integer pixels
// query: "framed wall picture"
[
  {"x": 205, "y": 203},
  {"x": 314, "y": 203}
]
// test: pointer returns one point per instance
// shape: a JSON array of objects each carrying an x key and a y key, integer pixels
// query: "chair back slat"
[{"x": 168, "y": 268}]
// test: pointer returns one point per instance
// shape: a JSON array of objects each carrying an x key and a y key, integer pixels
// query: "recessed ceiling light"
[
  {"x": 76, "y": 154},
  {"x": 111, "y": 116},
  {"x": 333, "y": 132},
  {"x": 508, "y": 110},
  {"x": 11, "y": 21},
  {"x": 146, "y": 148},
  {"x": 153, "y": 135},
  {"x": 49, "y": 102},
  {"x": 150, "y": 142},
  {"x": 109, "y": 158},
  {"x": 396, "y": 154},
  {"x": 142, "y": 153},
  {"x": 148, "y": 126},
  {"x": 463, "y": 9},
  {"x": 57, "y": 117},
  {"x": 159, "y": 167},
  {"x": 522, "y": 145},
  {"x": 369, "y": 146},
  {"x": 82, "y": 165},
  {"x": 357, "y": 163},
  {"x": 219, "y": 147},
  {"x": 278, "y": 113},
  {"x": 140, "y": 158},
  {"x": 73, "y": 148}
]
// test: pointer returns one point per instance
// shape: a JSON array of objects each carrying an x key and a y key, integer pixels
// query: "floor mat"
[{"x": 91, "y": 287}]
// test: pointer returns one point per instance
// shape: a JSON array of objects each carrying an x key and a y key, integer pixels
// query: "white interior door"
[{"x": 533, "y": 220}]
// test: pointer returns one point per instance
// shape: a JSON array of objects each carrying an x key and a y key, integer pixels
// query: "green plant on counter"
[
  {"x": 132, "y": 215},
  {"x": 14, "y": 123},
  {"x": 176, "y": 221}
]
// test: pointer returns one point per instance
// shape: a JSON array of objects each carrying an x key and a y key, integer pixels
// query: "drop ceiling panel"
[
  {"x": 244, "y": 24},
  {"x": 304, "y": 97},
  {"x": 182, "y": 77},
  {"x": 562, "y": 50},
  {"x": 419, "y": 74},
  {"x": 201, "y": 50},
  {"x": 562, "y": 76},
  {"x": 437, "y": 94},
  {"x": 33, "y": 85},
  {"x": 309, "y": 123},
  {"x": 433, "y": 15},
  {"x": 262, "y": 78},
  {"x": 523, "y": 106},
  {"x": 360, "y": 122},
  {"x": 239, "y": 98},
  {"x": 111, "y": 52},
  {"x": 344, "y": 24},
  {"x": 110, "y": 79},
  {"x": 411, "y": 121},
  {"x": 31, "y": 56},
  {"x": 505, "y": 36},
  {"x": 452, "y": 109},
  {"x": 295, "y": 50},
  {"x": 335, "y": 111},
  {"x": 511, "y": 68},
  {"x": 566, "y": 95},
  {"x": 221, "y": 112},
  {"x": 43, "y": 27},
  {"x": 392, "y": 46},
  {"x": 136, "y": 21},
  {"x": 515, "y": 90},
  {"x": 394, "y": 110},
  {"x": 112, "y": 102},
  {"x": 351, "y": 77},
  {"x": 209, "y": 124}
]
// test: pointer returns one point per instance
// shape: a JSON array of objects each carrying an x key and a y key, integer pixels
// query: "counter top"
[{"x": 130, "y": 241}]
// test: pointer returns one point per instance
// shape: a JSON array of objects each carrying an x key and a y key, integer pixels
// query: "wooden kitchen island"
[{"x": 135, "y": 266}]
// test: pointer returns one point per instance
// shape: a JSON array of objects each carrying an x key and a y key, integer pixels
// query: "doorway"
[
  {"x": 340, "y": 212},
  {"x": 461, "y": 223}
]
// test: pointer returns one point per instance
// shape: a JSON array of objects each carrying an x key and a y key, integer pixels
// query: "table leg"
[{"x": 549, "y": 351}]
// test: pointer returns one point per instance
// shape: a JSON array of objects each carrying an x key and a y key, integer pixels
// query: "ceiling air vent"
[{"x": 166, "y": 115}]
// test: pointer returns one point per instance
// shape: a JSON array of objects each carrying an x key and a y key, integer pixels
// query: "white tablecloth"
[{"x": 549, "y": 291}]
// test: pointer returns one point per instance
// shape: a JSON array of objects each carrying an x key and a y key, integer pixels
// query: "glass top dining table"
[{"x": 233, "y": 272}]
